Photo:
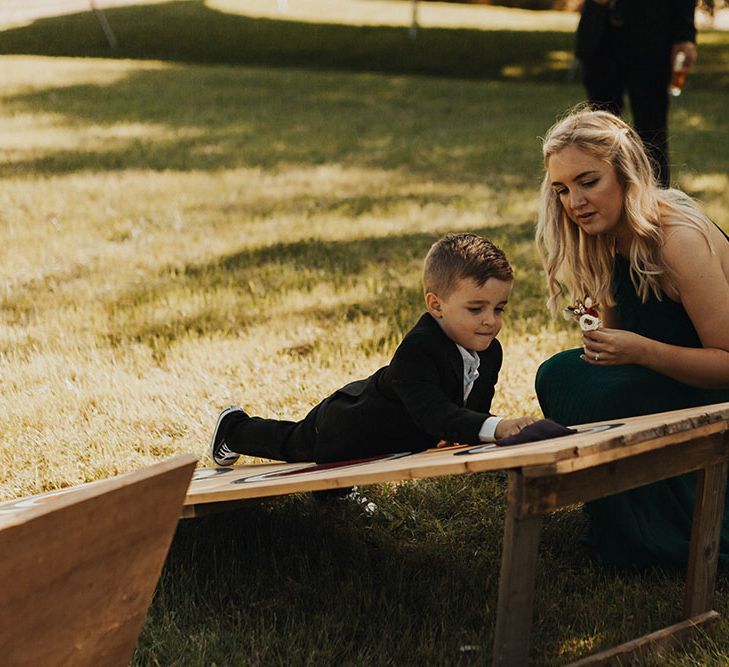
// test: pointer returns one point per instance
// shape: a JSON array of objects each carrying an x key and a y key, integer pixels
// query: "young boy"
[{"x": 436, "y": 390}]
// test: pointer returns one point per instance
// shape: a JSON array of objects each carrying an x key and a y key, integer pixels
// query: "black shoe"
[{"x": 219, "y": 451}]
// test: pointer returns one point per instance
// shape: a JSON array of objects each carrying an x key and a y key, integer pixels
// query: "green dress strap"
[{"x": 651, "y": 524}]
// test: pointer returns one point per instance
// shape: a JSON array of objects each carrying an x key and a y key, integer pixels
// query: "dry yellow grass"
[
  {"x": 130, "y": 317},
  {"x": 80, "y": 402},
  {"x": 178, "y": 237},
  {"x": 139, "y": 300}
]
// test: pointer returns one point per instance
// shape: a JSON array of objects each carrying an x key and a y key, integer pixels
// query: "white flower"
[{"x": 589, "y": 323}]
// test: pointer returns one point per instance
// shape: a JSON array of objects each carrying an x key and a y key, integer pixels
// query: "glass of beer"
[{"x": 678, "y": 74}]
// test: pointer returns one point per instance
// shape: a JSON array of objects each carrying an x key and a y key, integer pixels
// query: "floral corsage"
[{"x": 585, "y": 313}]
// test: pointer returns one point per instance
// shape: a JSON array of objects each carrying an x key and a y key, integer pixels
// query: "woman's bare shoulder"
[
  {"x": 694, "y": 257},
  {"x": 686, "y": 241}
]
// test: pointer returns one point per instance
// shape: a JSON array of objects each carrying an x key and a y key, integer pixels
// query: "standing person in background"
[{"x": 632, "y": 45}]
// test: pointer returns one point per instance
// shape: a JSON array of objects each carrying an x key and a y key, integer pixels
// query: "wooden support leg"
[
  {"x": 636, "y": 650},
  {"x": 705, "y": 533},
  {"x": 516, "y": 582}
]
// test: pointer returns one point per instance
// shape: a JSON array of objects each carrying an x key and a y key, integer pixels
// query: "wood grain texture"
[
  {"x": 631, "y": 652},
  {"x": 516, "y": 582},
  {"x": 77, "y": 575},
  {"x": 626, "y": 450},
  {"x": 705, "y": 535},
  {"x": 587, "y": 449},
  {"x": 545, "y": 494}
]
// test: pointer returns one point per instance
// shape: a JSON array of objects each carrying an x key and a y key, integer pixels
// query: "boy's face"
[{"x": 471, "y": 315}]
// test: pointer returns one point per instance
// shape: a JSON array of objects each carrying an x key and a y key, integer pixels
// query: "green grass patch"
[{"x": 235, "y": 210}]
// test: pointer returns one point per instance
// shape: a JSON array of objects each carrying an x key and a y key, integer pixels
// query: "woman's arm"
[{"x": 703, "y": 288}]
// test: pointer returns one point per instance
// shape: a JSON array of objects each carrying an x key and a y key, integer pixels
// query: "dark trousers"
[
  {"x": 275, "y": 438},
  {"x": 614, "y": 69}
]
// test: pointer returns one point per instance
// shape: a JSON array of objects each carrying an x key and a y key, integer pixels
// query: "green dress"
[{"x": 650, "y": 524}]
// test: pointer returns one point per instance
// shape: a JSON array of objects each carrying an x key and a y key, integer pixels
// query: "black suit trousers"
[
  {"x": 276, "y": 439},
  {"x": 613, "y": 69}
]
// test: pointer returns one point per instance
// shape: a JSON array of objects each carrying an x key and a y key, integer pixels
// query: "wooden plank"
[
  {"x": 549, "y": 493},
  {"x": 77, "y": 574},
  {"x": 650, "y": 432},
  {"x": 516, "y": 581},
  {"x": 705, "y": 535},
  {"x": 240, "y": 482},
  {"x": 206, "y": 509},
  {"x": 653, "y": 431},
  {"x": 625, "y": 450},
  {"x": 666, "y": 638}
]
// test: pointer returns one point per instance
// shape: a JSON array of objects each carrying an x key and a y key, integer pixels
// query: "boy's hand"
[{"x": 508, "y": 427}]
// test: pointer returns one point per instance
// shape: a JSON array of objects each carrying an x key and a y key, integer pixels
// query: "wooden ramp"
[
  {"x": 602, "y": 459},
  {"x": 215, "y": 489},
  {"x": 78, "y": 567}
]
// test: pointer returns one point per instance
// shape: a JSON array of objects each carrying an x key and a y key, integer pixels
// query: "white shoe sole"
[{"x": 221, "y": 416}]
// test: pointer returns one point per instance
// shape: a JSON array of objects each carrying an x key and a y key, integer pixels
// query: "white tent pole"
[
  {"x": 108, "y": 32},
  {"x": 414, "y": 23}
]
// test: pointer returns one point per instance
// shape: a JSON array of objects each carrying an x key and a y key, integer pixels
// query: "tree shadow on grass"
[
  {"x": 305, "y": 580},
  {"x": 210, "y": 119},
  {"x": 259, "y": 282},
  {"x": 200, "y": 118},
  {"x": 197, "y": 118},
  {"x": 262, "y": 277},
  {"x": 308, "y": 581},
  {"x": 274, "y": 115},
  {"x": 192, "y": 32}
]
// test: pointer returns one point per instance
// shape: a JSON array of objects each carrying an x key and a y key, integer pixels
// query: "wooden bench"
[
  {"x": 79, "y": 566},
  {"x": 601, "y": 460}
]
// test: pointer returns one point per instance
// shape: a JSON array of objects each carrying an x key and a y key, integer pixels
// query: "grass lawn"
[{"x": 234, "y": 209}]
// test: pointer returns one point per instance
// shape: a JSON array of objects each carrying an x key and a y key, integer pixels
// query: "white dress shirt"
[{"x": 471, "y": 362}]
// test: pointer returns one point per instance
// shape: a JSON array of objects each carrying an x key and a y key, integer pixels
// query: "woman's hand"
[
  {"x": 610, "y": 347},
  {"x": 509, "y": 427}
]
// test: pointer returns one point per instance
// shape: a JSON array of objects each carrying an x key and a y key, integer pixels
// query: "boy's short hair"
[{"x": 459, "y": 256}]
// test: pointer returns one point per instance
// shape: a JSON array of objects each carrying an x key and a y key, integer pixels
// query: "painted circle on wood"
[{"x": 310, "y": 468}]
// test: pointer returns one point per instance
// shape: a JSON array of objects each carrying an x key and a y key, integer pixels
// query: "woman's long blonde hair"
[{"x": 583, "y": 262}]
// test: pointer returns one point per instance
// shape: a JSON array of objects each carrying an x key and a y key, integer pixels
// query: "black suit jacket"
[
  {"x": 410, "y": 404},
  {"x": 649, "y": 26}
]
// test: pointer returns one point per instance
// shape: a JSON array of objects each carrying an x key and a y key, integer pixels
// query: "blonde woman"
[{"x": 659, "y": 270}]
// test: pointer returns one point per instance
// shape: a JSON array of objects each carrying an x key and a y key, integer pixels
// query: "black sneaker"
[{"x": 219, "y": 451}]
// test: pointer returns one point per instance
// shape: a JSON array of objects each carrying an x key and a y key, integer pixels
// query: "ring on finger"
[{"x": 597, "y": 357}]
